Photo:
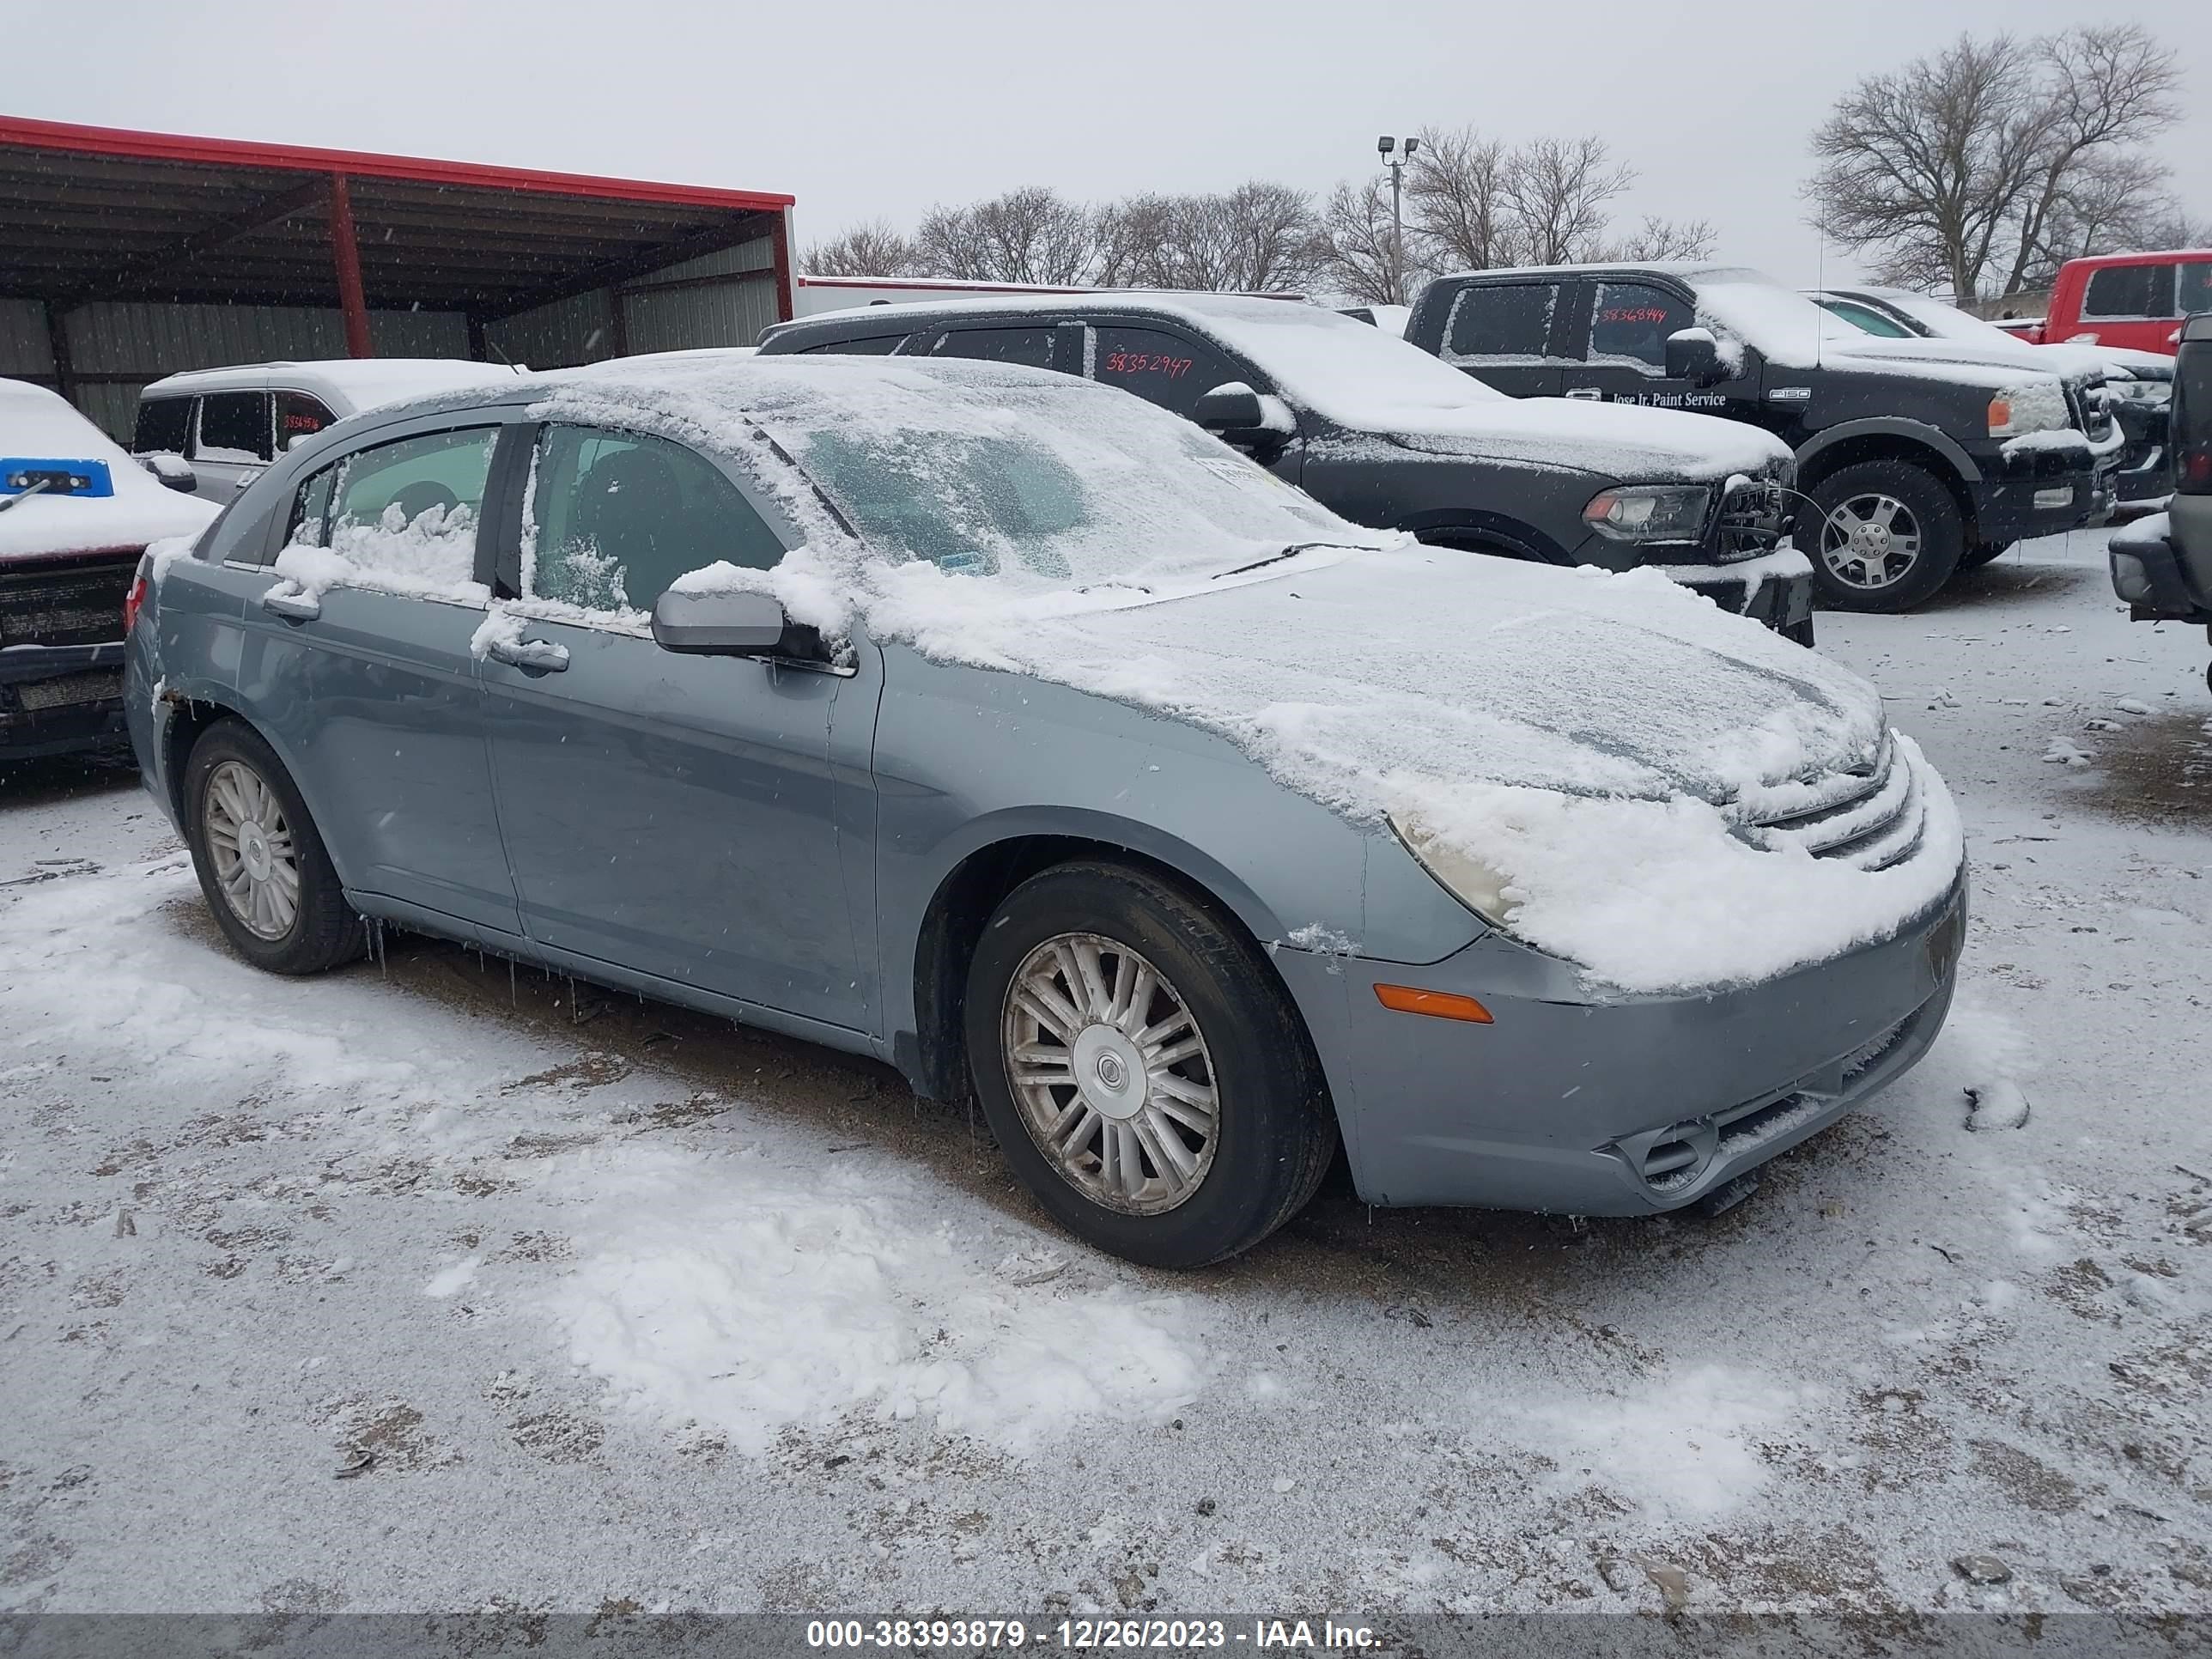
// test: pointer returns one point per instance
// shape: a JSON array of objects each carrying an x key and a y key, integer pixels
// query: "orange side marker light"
[{"x": 1443, "y": 1005}]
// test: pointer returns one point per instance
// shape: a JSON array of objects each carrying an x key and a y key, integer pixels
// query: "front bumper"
[
  {"x": 1629, "y": 1106},
  {"x": 1775, "y": 589},
  {"x": 2046, "y": 494},
  {"x": 55, "y": 698}
]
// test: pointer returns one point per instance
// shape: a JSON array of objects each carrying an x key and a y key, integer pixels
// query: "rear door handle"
[
  {"x": 292, "y": 607},
  {"x": 532, "y": 656}
]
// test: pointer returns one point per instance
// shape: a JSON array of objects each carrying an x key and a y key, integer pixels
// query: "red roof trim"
[{"x": 21, "y": 133}]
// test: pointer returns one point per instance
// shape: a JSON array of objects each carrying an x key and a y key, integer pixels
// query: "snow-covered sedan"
[
  {"x": 75, "y": 513},
  {"x": 1014, "y": 730}
]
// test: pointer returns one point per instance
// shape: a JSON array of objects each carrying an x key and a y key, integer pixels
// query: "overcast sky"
[{"x": 863, "y": 110}]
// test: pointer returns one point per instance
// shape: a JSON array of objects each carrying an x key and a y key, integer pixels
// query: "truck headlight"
[
  {"x": 1650, "y": 513},
  {"x": 2020, "y": 410},
  {"x": 1470, "y": 881}
]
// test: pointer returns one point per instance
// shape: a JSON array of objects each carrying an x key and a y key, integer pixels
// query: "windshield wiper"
[{"x": 1292, "y": 551}]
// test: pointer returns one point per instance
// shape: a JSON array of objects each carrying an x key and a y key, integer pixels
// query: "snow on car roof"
[
  {"x": 1368, "y": 380},
  {"x": 36, "y": 424},
  {"x": 364, "y": 382}
]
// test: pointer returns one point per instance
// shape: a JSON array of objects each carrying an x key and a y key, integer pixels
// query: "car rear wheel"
[
  {"x": 1887, "y": 536},
  {"x": 261, "y": 864},
  {"x": 1142, "y": 1068}
]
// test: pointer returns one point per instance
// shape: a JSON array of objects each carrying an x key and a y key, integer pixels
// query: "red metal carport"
[{"x": 94, "y": 219}]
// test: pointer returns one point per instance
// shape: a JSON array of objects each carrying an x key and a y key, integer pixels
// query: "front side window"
[
  {"x": 614, "y": 517},
  {"x": 299, "y": 417},
  {"x": 1163, "y": 369},
  {"x": 1030, "y": 347},
  {"x": 1631, "y": 322},
  {"x": 410, "y": 508},
  {"x": 233, "y": 427},
  {"x": 1494, "y": 320},
  {"x": 2129, "y": 291},
  {"x": 165, "y": 425}
]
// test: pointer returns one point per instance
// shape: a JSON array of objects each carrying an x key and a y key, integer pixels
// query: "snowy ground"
[{"x": 412, "y": 1288}]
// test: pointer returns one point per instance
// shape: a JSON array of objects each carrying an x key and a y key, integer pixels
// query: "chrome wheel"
[
  {"x": 1870, "y": 541},
  {"x": 256, "y": 864},
  {"x": 1111, "y": 1073}
]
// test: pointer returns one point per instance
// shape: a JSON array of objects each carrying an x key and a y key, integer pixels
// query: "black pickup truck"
[
  {"x": 1389, "y": 438},
  {"x": 2162, "y": 566},
  {"x": 1916, "y": 459},
  {"x": 75, "y": 513}
]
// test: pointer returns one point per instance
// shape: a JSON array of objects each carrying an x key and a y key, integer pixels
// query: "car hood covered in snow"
[
  {"x": 1611, "y": 745},
  {"x": 37, "y": 425}
]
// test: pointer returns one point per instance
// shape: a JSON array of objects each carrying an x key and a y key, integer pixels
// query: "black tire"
[
  {"x": 1271, "y": 1130},
  {"x": 321, "y": 929},
  {"x": 1982, "y": 552},
  {"x": 1938, "y": 529}
]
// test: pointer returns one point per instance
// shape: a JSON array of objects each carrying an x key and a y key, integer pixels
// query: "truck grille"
[
  {"x": 1872, "y": 816},
  {"x": 1750, "y": 521},
  {"x": 76, "y": 602},
  {"x": 2091, "y": 413}
]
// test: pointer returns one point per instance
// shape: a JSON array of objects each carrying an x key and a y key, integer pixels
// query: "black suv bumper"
[
  {"x": 58, "y": 697},
  {"x": 2045, "y": 493}
]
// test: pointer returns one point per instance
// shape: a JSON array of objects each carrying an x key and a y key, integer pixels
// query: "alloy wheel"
[
  {"x": 256, "y": 867},
  {"x": 1870, "y": 541},
  {"x": 1111, "y": 1073}
]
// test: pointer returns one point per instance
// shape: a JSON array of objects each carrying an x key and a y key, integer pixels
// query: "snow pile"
[
  {"x": 35, "y": 424},
  {"x": 754, "y": 1300}
]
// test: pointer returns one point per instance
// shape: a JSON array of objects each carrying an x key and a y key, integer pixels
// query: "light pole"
[{"x": 1396, "y": 163}]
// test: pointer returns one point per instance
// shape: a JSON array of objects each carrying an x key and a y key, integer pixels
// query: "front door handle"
[
  {"x": 1589, "y": 393},
  {"x": 292, "y": 607},
  {"x": 532, "y": 656}
]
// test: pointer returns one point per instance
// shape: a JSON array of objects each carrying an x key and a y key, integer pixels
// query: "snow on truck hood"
[
  {"x": 36, "y": 424},
  {"x": 1621, "y": 441},
  {"x": 1607, "y": 744}
]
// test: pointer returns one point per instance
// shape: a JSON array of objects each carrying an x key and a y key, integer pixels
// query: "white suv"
[{"x": 226, "y": 424}]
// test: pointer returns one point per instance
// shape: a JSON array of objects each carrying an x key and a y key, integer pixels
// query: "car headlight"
[
  {"x": 1650, "y": 513},
  {"x": 1470, "y": 881}
]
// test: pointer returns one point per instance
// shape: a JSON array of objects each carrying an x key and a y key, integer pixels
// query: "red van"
[{"x": 2134, "y": 300}]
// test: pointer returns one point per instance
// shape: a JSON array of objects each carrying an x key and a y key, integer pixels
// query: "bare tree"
[
  {"x": 1558, "y": 189},
  {"x": 1456, "y": 191},
  {"x": 873, "y": 249},
  {"x": 1664, "y": 239},
  {"x": 1028, "y": 235},
  {"x": 1357, "y": 248},
  {"x": 1258, "y": 237},
  {"x": 1950, "y": 168}
]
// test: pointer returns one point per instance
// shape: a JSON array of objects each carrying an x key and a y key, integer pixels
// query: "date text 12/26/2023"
[{"x": 1085, "y": 1635}]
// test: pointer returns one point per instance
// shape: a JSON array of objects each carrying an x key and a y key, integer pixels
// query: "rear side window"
[
  {"x": 164, "y": 424},
  {"x": 614, "y": 517},
  {"x": 1511, "y": 320},
  {"x": 300, "y": 417},
  {"x": 410, "y": 508},
  {"x": 1631, "y": 321},
  {"x": 2129, "y": 291},
  {"x": 872, "y": 346},
  {"x": 1163, "y": 369},
  {"x": 1030, "y": 347},
  {"x": 234, "y": 426}
]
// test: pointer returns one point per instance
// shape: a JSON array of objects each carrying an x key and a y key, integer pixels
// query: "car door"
[
  {"x": 1173, "y": 368},
  {"x": 674, "y": 815},
  {"x": 231, "y": 441},
  {"x": 386, "y": 733},
  {"x": 1501, "y": 333},
  {"x": 1621, "y": 350}
]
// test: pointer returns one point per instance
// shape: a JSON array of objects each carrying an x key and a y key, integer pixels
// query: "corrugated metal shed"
[{"x": 125, "y": 256}]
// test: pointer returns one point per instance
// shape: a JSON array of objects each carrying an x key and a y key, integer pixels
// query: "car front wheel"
[
  {"x": 261, "y": 864},
  {"x": 1142, "y": 1067},
  {"x": 1888, "y": 536}
]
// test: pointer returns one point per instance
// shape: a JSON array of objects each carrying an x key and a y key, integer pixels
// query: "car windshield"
[
  {"x": 1055, "y": 483},
  {"x": 1353, "y": 372}
]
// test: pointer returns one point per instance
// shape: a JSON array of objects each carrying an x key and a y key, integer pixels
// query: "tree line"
[
  {"x": 1471, "y": 201},
  {"x": 1980, "y": 168}
]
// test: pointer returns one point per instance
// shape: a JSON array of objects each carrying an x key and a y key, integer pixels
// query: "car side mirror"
[
  {"x": 1231, "y": 406},
  {"x": 1694, "y": 355},
  {"x": 718, "y": 625},
  {"x": 172, "y": 468}
]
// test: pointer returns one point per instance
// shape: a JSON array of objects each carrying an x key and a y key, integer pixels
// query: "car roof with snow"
[
  {"x": 123, "y": 507},
  {"x": 357, "y": 383}
]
